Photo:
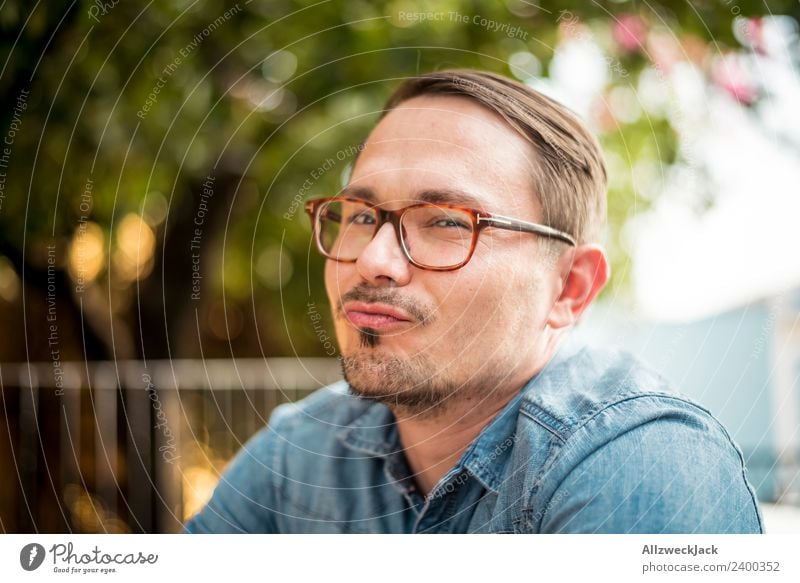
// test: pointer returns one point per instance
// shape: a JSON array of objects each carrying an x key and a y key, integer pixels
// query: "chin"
[
  {"x": 382, "y": 376},
  {"x": 372, "y": 371},
  {"x": 371, "y": 385}
]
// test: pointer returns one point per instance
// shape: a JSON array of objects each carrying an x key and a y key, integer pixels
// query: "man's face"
[{"x": 470, "y": 332}]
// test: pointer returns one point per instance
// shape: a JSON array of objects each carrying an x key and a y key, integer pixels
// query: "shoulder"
[
  {"x": 251, "y": 491},
  {"x": 572, "y": 390},
  {"x": 326, "y": 410},
  {"x": 625, "y": 452},
  {"x": 302, "y": 437},
  {"x": 595, "y": 395}
]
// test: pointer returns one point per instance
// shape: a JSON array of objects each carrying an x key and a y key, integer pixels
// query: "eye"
[
  {"x": 449, "y": 223},
  {"x": 362, "y": 218},
  {"x": 330, "y": 215}
]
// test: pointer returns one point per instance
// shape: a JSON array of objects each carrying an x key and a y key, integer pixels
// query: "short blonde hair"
[{"x": 570, "y": 174}]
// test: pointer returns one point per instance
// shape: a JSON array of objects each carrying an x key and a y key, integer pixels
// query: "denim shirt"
[{"x": 594, "y": 443}]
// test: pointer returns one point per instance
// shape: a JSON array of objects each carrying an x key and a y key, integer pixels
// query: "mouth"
[{"x": 376, "y": 316}]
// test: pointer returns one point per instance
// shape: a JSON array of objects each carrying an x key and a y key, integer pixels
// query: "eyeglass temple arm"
[{"x": 510, "y": 224}]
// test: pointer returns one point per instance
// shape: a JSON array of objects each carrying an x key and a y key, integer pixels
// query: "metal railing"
[{"x": 130, "y": 446}]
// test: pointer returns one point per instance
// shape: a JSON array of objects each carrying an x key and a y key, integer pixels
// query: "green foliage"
[{"x": 148, "y": 100}]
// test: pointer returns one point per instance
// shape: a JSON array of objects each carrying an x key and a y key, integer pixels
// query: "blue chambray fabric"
[{"x": 596, "y": 442}]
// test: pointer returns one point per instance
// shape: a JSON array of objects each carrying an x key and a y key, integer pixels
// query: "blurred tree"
[{"x": 157, "y": 151}]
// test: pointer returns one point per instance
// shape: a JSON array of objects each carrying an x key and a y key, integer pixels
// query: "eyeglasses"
[{"x": 439, "y": 237}]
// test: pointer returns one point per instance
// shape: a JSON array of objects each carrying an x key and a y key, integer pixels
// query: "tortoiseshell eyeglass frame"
[{"x": 480, "y": 220}]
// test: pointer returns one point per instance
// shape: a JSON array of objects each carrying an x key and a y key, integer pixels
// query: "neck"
[{"x": 434, "y": 444}]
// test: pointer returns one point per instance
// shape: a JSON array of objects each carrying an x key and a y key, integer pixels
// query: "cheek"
[
  {"x": 335, "y": 287},
  {"x": 336, "y": 278},
  {"x": 505, "y": 298},
  {"x": 472, "y": 303},
  {"x": 330, "y": 284}
]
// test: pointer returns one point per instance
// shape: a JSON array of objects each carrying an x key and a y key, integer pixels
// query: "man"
[{"x": 463, "y": 249}]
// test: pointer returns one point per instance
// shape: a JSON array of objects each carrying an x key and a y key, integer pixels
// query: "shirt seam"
[{"x": 569, "y": 429}]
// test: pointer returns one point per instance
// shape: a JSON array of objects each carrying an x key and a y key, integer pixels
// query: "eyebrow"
[{"x": 433, "y": 196}]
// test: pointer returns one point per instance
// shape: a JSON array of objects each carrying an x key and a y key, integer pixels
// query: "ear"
[{"x": 584, "y": 274}]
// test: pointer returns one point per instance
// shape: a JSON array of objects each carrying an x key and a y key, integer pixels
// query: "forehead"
[{"x": 446, "y": 146}]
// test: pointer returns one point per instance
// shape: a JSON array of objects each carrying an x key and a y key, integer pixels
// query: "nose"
[{"x": 383, "y": 259}]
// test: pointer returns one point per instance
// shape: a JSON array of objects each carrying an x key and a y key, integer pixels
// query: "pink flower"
[
  {"x": 629, "y": 32},
  {"x": 729, "y": 74},
  {"x": 754, "y": 33}
]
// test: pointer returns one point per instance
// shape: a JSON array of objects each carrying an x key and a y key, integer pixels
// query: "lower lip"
[{"x": 377, "y": 321}]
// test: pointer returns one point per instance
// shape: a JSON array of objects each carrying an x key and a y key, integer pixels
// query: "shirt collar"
[
  {"x": 487, "y": 455},
  {"x": 374, "y": 432}
]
